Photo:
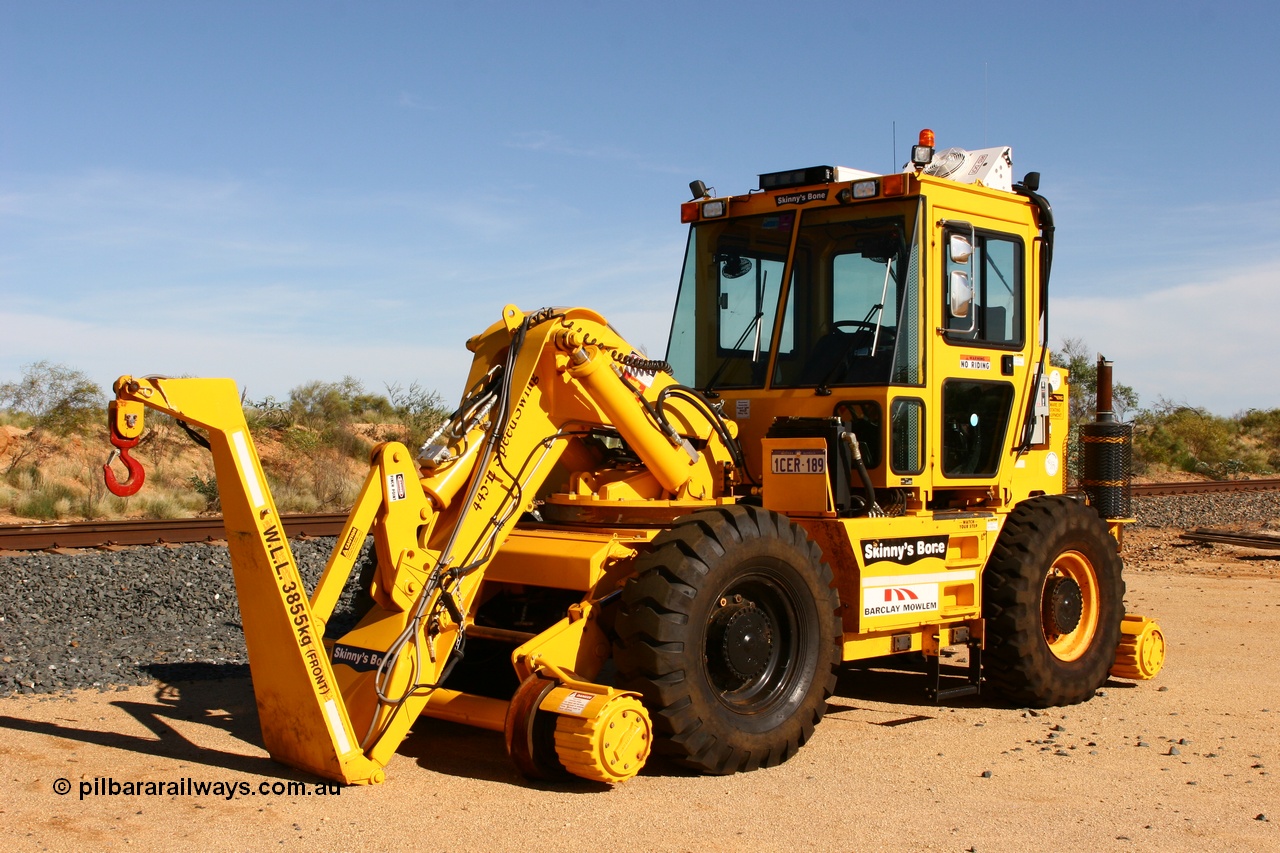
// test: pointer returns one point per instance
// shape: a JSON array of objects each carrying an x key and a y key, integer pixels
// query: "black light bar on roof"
[{"x": 797, "y": 177}]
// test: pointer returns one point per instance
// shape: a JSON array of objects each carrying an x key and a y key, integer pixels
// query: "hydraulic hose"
[{"x": 1046, "y": 264}]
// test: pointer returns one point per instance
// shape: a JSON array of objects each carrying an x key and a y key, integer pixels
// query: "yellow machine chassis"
[{"x": 525, "y": 490}]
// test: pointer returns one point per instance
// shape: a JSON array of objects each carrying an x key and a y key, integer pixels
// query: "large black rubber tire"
[
  {"x": 1029, "y": 659},
  {"x": 730, "y": 630}
]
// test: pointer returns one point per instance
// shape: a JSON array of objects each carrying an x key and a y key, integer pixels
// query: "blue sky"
[{"x": 281, "y": 192}]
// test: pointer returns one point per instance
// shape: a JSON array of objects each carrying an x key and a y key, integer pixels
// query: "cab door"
[{"x": 981, "y": 350}]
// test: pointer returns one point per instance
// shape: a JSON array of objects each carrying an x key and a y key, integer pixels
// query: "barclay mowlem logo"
[{"x": 899, "y": 600}]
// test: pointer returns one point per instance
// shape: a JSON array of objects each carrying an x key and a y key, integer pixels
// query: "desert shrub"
[
  {"x": 60, "y": 399},
  {"x": 419, "y": 410},
  {"x": 170, "y": 505},
  {"x": 46, "y": 502},
  {"x": 8, "y": 417},
  {"x": 301, "y": 440},
  {"x": 1262, "y": 426},
  {"x": 267, "y": 413},
  {"x": 321, "y": 404},
  {"x": 8, "y": 494},
  {"x": 1193, "y": 439},
  {"x": 347, "y": 443},
  {"x": 93, "y": 502},
  {"x": 25, "y": 478},
  {"x": 207, "y": 488}
]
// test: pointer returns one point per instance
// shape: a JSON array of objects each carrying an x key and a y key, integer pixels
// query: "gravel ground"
[
  {"x": 1186, "y": 512},
  {"x": 100, "y": 619},
  {"x": 1182, "y": 763}
]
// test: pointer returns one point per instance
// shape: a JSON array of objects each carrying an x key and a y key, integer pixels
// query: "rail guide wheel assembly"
[
  {"x": 609, "y": 745},
  {"x": 1140, "y": 655},
  {"x": 561, "y": 725}
]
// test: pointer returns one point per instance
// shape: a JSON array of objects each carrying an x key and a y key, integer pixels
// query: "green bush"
[
  {"x": 25, "y": 478},
  {"x": 347, "y": 443},
  {"x": 325, "y": 404},
  {"x": 47, "y": 502},
  {"x": 207, "y": 488},
  {"x": 302, "y": 440},
  {"x": 1193, "y": 439},
  {"x": 61, "y": 399},
  {"x": 1263, "y": 427},
  {"x": 421, "y": 411}
]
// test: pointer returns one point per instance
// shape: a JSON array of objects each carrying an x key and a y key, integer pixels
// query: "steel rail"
[
  {"x": 97, "y": 534},
  {"x": 1204, "y": 487},
  {"x": 1261, "y": 541}
]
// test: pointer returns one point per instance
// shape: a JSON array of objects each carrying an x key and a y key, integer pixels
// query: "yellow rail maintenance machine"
[{"x": 854, "y": 449}]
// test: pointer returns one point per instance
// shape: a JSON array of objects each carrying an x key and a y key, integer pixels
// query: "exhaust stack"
[{"x": 1107, "y": 476}]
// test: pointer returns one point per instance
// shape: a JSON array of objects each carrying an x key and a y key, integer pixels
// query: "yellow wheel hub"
[
  {"x": 1140, "y": 654},
  {"x": 1071, "y": 590},
  {"x": 609, "y": 747}
]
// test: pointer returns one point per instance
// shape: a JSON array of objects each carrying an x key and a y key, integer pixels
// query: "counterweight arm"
[{"x": 302, "y": 712}]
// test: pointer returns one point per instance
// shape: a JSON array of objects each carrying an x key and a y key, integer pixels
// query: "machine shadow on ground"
[
  {"x": 467, "y": 752},
  {"x": 902, "y": 681},
  {"x": 221, "y": 698}
]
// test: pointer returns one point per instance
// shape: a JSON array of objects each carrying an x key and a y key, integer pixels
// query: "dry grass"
[{"x": 45, "y": 477}]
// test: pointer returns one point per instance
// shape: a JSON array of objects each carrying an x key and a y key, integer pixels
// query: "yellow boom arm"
[{"x": 539, "y": 385}]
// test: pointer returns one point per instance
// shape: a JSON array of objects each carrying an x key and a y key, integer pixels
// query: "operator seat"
[{"x": 841, "y": 358}]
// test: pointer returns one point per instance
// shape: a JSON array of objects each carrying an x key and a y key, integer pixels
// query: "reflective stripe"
[
  {"x": 247, "y": 470},
  {"x": 335, "y": 724}
]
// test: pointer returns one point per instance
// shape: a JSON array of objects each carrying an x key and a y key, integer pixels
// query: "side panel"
[{"x": 903, "y": 574}]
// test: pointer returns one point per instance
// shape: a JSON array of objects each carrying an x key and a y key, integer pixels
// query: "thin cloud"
[
  {"x": 541, "y": 140},
  {"x": 410, "y": 101},
  {"x": 265, "y": 360},
  {"x": 1209, "y": 341}
]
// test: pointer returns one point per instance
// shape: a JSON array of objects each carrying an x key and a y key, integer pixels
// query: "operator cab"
[
  {"x": 852, "y": 288},
  {"x": 901, "y": 305}
]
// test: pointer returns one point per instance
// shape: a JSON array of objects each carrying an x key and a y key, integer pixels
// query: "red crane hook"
[{"x": 136, "y": 473}]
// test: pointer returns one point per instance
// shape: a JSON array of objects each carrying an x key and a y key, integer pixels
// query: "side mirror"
[
  {"x": 960, "y": 250},
  {"x": 960, "y": 294}
]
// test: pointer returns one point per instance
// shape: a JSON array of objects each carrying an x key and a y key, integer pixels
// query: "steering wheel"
[
  {"x": 887, "y": 333},
  {"x": 854, "y": 324}
]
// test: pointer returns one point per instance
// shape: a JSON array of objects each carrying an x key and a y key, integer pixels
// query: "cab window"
[{"x": 994, "y": 274}]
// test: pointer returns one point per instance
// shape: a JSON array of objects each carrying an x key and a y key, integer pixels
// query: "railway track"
[
  {"x": 1204, "y": 487},
  {"x": 98, "y": 534}
]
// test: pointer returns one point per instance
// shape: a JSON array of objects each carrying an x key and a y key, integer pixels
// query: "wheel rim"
[
  {"x": 1070, "y": 588},
  {"x": 754, "y": 645}
]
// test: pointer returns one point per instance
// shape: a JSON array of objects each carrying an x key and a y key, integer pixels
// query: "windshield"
[
  {"x": 855, "y": 320},
  {"x": 722, "y": 332},
  {"x": 852, "y": 310}
]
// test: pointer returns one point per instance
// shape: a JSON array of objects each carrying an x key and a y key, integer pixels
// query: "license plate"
[{"x": 799, "y": 461}]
